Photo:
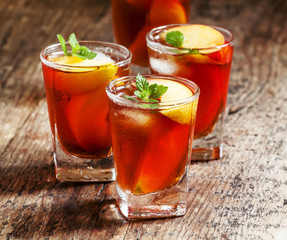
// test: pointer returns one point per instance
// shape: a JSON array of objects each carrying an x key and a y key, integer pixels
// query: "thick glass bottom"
[
  {"x": 170, "y": 202},
  {"x": 209, "y": 147},
  {"x": 77, "y": 169},
  {"x": 209, "y": 153}
]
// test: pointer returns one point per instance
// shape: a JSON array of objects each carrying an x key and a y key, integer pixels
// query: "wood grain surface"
[{"x": 242, "y": 196}]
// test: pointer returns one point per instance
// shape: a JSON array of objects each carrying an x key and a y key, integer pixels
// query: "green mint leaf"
[
  {"x": 74, "y": 43},
  {"x": 152, "y": 100},
  {"x": 63, "y": 43},
  {"x": 152, "y": 89},
  {"x": 129, "y": 97},
  {"x": 160, "y": 90},
  {"x": 175, "y": 38},
  {"x": 144, "y": 96},
  {"x": 85, "y": 53},
  {"x": 82, "y": 52},
  {"x": 150, "y": 106},
  {"x": 138, "y": 94},
  {"x": 147, "y": 92},
  {"x": 193, "y": 51},
  {"x": 141, "y": 83}
]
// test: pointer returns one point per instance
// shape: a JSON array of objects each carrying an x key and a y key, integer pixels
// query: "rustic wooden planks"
[{"x": 242, "y": 196}]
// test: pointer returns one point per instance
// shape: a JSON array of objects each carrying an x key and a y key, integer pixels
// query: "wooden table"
[{"x": 242, "y": 196}]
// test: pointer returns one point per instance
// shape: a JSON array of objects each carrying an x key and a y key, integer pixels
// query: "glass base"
[
  {"x": 77, "y": 169},
  {"x": 209, "y": 147},
  {"x": 211, "y": 153},
  {"x": 170, "y": 202},
  {"x": 135, "y": 69}
]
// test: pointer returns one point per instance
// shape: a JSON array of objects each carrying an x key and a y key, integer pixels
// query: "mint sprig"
[
  {"x": 63, "y": 44},
  {"x": 147, "y": 92},
  {"x": 176, "y": 39},
  {"x": 82, "y": 52}
]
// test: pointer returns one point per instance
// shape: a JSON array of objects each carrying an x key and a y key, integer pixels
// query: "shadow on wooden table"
[
  {"x": 31, "y": 178},
  {"x": 44, "y": 207}
]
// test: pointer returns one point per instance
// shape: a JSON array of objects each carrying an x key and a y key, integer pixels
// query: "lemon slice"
[
  {"x": 198, "y": 36},
  {"x": 177, "y": 91},
  {"x": 74, "y": 61},
  {"x": 65, "y": 60},
  {"x": 94, "y": 73}
]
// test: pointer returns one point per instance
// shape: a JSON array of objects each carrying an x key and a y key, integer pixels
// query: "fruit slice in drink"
[
  {"x": 197, "y": 36},
  {"x": 208, "y": 65},
  {"x": 151, "y": 146},
  {"x": 86, "y": 74},
  {"x": 163, "y": 12},
  {"x": 87, "y": 118},
  {"x": 148, "y": 14},
  {"x": 82, "y": 109},
  {"x": 165, "y": 154}
]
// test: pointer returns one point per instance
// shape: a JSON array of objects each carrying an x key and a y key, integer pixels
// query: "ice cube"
[
  {"x": 136, "y": 117},
  {"x": 103, "y": 57},
  {"x": 163, "y": 66}
]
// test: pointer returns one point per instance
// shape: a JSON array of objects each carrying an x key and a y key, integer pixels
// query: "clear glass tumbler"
[
  {"x": 152, "y": 147},
  {"x": 209, "y": 68},
  {"x": 78, "y": 109},
  {"x": 132, "y": 19}
]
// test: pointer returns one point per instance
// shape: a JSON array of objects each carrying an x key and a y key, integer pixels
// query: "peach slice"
[
  {"x": 198, "y": 36},
  {"x": 87, "y": 118},
  {"x": 163, "y": 156},
  {"x": 177, "y": 91},
  {"x": 164, "y": 12}
]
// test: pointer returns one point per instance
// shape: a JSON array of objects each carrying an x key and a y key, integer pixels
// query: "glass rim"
[
  {"x": 123, "y": 62},
  {"x": 150, "y": 38},
  {"x": 161, "y": 105}
]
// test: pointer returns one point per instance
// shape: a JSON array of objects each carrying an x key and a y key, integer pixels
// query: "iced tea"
[
  {"x": 77, "y": 101},
  {"x": 132, "y": 19},
  {"x": 208, "y": 67},
  {"x": 151, "y": 141}
]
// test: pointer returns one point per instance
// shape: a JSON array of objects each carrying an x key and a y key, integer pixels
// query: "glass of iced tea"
[
  {"x": 132, "y": 19},
  {"x": 78, "y": 108},
  {"x": 152, "y": 144},
  {"x": 202, "y": 54}
]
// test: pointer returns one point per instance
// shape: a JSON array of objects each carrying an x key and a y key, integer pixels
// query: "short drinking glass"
[
  {"x": 208, "y": 67},
  {"x": 78, "y": 109},
  {"x": 151, "y": 146}
]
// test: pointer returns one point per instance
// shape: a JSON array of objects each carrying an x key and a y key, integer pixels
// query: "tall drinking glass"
[
  {"x": 78, "y": 109},
  {"x": 132, "y": 19},
  {"x": 151, "y": 146},
  {"x": 209, "y": 68}
]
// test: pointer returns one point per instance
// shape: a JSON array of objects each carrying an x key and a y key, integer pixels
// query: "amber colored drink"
[
  {"x": 132, "y": 19},
  {"x": 209, "y": 68},
  {"x": 78, "y": 105},
  {"x": 147, "y": 143},
  {"x": 79, "y": 110},
  {"x": 211, "y": 73},
  {"x": 151, "y": 143}
]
